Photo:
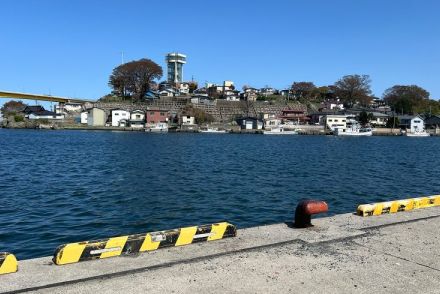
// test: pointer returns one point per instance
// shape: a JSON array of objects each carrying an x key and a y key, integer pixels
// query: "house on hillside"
[
  {"x": 412, "y": 123},
  {"x": 331, "y": 104},
  {"x": 298, "y": 115},
  {"x": 96, "y": 117},
  {"x": 168, "y": 92},
  {"x": 188, "y": 120},
  {"x": 137, "y": 119},
  {"x": 119, "y": 118}
]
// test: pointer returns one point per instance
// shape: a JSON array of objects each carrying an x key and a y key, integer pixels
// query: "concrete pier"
[{"x": 341, "y": 254}]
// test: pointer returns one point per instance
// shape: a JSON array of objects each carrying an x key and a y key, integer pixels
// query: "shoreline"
[
  {"x": 396, "y": 133},
  {"x": 336, "y": 249}
]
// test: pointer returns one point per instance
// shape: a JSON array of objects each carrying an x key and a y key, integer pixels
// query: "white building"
[
  {"x": 270, "y": 123},
  {"x": 334, "y": 104},
  {"x": 49, "y": 115},
  {"x": 68, "y": 107},
  {"x": 137, "y": 119},
  {"x": 335, "y": 121},
  {"x": 188, "y": 120},
  {"x": 84, "y": 117},
  {"x": 118, "y": 115},
  {"x": 413, "y": 123},
  {"x": 379, "y": 119},
  {"x": 96, "y": 117}
]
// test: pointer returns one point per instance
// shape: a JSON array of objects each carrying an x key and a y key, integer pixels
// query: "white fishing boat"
[
  {"x": 352, "y": 129},
  {"x": 280, "y": 130},
  {"x": 157, "y": 128},
  {"x": 212, "y": 131},
  {"x": 417, "y": 133}
]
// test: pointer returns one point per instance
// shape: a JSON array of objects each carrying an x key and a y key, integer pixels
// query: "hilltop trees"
[
  {"x": 133, "y": 79},
  {"x": 13, "y": 106},
  {"x": 406, "y": 99},
  {"x": 304, "y": 90},
  {"x": 352, "y": 89}
]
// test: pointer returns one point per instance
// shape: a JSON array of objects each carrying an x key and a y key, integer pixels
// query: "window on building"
[
  {"x": 336, "y": 120},
  {"x": 162, "y": 113},
  {"x": 152, "y": 113},
  {"x": 116, "y": 114},
  {"x": 138, "y": 116},
  {"x": 417, "y": 121},
  {"x": 330, "y": 120}
]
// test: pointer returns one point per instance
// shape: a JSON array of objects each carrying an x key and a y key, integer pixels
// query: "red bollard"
[{"x": 305, "y": 210}]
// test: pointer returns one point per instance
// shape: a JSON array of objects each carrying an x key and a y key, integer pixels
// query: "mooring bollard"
[{"x": 304, "y": 211}]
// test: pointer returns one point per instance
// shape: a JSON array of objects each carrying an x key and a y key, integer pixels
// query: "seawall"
[{"x": 341, "y": 254}]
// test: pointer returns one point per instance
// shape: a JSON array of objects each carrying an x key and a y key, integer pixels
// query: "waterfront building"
[
  {"x": 188, "y": 120},
  {"x": 96, "y": 117},
  {"x": 379, "y": 119},
  {"x": 432, "y": 121},
  {"x": 118, "y": 115},
  {"x": 137, "y": 119},
  {"x": 270, "y": 123},
  {"x": 175, "y": 62},
  {"x": 412, "y": 123},
  {"x": 250, "y": 123},
  {"x": 335, "y": 121},
  {"x": 154, "y": 116},
  {"x": 83, "y": 116},
  {"x": 45, "y": 114},
  {"x": 38, "y": 112},
  {"x": 296, "y": 114},
  {"x": 33, "y": 109}
]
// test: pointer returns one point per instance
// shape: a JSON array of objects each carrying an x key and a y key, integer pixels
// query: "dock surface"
[{"x": 341, "y": 254}]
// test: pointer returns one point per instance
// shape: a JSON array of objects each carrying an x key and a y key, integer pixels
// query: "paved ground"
[{"x": 342, "y": 254}]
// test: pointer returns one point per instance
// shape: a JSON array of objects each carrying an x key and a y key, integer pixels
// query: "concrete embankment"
[{"x": 341, "y": 254}]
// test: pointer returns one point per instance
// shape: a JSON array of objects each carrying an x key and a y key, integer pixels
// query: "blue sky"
[{"x": 69, "y": 48}]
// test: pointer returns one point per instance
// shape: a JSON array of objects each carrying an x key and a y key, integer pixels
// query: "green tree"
[
  {"x": 352, "y": 89},
  {"x": 393, "y": 122},
  {"x": 365, "y": 118},
  {"x": 13, "y": 106},
  {"x": 407, "y": 99},
  {"x": 193, "y": 86},
  {"x": 304, "y": 91},
  {"x": 133, "y": 79}
]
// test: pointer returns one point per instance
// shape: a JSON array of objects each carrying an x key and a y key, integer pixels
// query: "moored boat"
[
  {"x": 416, "y": 133},
  {"x": 158, "y": 128},
  {"x": 280, "y": 130},
  {"x": 212, "y": 131},
  {"x": 352, "y": 129}
]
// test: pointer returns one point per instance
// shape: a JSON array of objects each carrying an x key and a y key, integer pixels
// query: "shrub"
[{"x": 18, "y": 118}]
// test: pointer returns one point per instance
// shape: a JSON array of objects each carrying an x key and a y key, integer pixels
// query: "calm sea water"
[{"x": 64, "y": 186}]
